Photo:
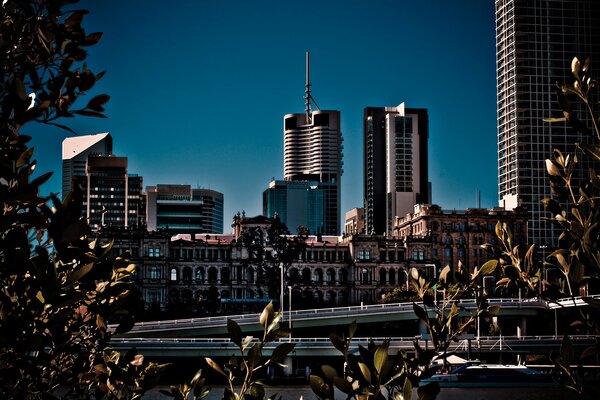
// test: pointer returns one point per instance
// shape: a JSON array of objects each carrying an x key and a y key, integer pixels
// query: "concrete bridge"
[
  {"x": 217, "y": 326},
  {"x": 322, "y": 347}
]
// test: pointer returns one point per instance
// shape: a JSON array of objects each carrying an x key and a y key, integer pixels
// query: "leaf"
[
  {"x": 235, "y": 332},
  {"x": 343, "y": 385},
  {"x": 566, "y": 350},
  {"x": 97, "y": 102},
  {"x": 282, "y": 350},
  {"x": 329, "y": 372},
  {"x": 92, "y": 39},
  {"x": 551, "y": 120},
  {"x": 488, "y": 268},
  {"x": 420, "y": 313},
  {"x": 381, "y": 356},
  {"x": 493, "y": 310},
  {"x": 444, "y": 273},
  {"x": 320, "y": 388},
  {"x": 215, "y": 366},
  {"x": 352, "y": 329},
  {"x": 365, "y": 372},
  {"x": 267, "y": 315},
  {"x": 81, "y": 272},
  {"x": 407, "y": 390},
  {"x": 551, "y": 168},
  {"x": 24, "y": 157},
  {"x": 254, "y": 355}
]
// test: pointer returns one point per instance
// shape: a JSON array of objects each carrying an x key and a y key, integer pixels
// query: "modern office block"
[
  {"x": 75, "y": 152},
  {"x": 113, "y": 197},
  {"x": 395, "y": 164},
  {"x": 535, "y": 43},
  {"x": 299, "y": 203},
  {"x": 181, "y": 209}
]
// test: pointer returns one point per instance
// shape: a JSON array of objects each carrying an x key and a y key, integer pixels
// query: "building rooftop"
[{"x": 73, "y": 146}]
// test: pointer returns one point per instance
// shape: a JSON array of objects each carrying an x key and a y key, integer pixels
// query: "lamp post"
[
  {"x": 290, "y": 309},
  {"x": 281, "y": 290},
  {"x": 544, "y": 272}
]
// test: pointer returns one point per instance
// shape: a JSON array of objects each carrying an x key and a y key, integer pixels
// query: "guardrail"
[{"x": 321, "y": 313}]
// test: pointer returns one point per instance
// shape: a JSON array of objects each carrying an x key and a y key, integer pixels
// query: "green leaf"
[
  {"x": 343, "y": 385},
  {"x": 352, "y": 329},
  {"x": 551, "y": 168},
  {"x": 381, "y": 356},
  {"x": 320, "y": 388},
  {"x": 566, "y": 350},
  {"x": 493, "y": 310},
  {"x": 24, "y": 157},
  {"x": 215, "y": 366},
  {"x": 365, "y": 372},
  {"x": 254, "y": 355},
  {"x": 488, "y": 268},
  {"x": 92, "y": 39},
  {"x": 407, "y": 390},
  {"x": 235, "y": 332},
  {"x": 282, "y": 350},
  {"x": 329, "y": 372},
  {"x": 81, "y": 272},
  {"x": 429, "y": 391},
  {"x": 266, "y": 317},
  {"x": 444, "y": 273},
  {"x": 97, "y": 102},
  {"x": 420, "y": 313}
]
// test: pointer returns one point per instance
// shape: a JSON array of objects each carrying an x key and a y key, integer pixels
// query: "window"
[
  {"x": 154, "y": 252},
  {"x": 154, "y": 272},
  {"x": 418, "y": 254},
  {"x": 173, "y": 274},
  {"x": 448, "y": 252}
]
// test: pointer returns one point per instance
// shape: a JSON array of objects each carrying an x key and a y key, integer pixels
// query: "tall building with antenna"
[
  {"x": 312, "y": 156},
  {"x": 535, "y": 43}
]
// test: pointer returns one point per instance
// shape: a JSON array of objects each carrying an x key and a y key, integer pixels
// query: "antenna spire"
[{"x": 307, "y": 95}]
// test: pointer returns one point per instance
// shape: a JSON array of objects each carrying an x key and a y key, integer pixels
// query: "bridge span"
[
  {"x": 320, "y": 347},
  {"x": 216, "y": 326}
]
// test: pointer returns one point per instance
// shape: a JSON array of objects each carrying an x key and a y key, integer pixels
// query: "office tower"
[
  {"x": 313, "y": 153},
  {"x": 75, "y": 151},
  {"x": 355, "y": 221},
  {"x": 535, "y": 43},
  {"x": 395, "y": 164},
  {"x": 181, "y": 209},
  {"x": 297, "y": 203},
  {"x": 113, "y": 197}
]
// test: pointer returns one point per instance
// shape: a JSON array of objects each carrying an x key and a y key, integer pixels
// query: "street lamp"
[
  {"x": 542, "y": 280},
  {"x": 290, "y": 309},
  {"x": 281, "y": 290}
]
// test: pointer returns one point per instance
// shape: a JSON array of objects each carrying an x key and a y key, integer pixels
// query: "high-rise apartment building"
[
  {"x": 113, "y": 197},
  {"x": 182, "y": 209},
  {"x": 535, "y": 43},
  {"x": 75, "y": 152},
  {"x": 395, "y": 164}
]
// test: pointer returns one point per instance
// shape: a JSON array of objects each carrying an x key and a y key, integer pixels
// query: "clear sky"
[{"x": 199, "y": 89}]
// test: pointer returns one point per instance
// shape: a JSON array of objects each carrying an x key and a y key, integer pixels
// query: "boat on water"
[{"x": 492, "y": 375}]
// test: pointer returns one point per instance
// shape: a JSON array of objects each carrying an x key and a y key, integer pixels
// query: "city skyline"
[{"x": 199, "y": 91}]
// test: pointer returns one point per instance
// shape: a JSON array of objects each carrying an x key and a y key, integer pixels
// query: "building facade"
[
  {"x": 355, "y": 222},
  {"x": 395, "y": 164},
  {"x": 112, "y": 196},
  {"x": 313, "y": 153},
  {"x": 182, "y": 209},
  {"x": 75, "y": 152},
  {"x": 457, "y": 235},
  {"x": 209, "y": 273},
  {"x": 535, "y": 43},
  {"x": 298, "y": 203}
]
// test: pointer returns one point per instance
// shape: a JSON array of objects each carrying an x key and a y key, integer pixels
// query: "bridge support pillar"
[
  {"x": 522, "y": 327},
  {"x": 289, "y": 366}
]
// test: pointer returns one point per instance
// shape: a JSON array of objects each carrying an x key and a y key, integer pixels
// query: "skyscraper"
[
  {"x": 182, "y": 209},
  {"x": 535, "y": 43},
  {"x": 75, "y": 152},
  {"x": 395, "y": 164},
  {"x": 312, "y": 153}
]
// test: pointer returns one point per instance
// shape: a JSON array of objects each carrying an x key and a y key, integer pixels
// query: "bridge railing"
[{"x": 243, "y": 319}]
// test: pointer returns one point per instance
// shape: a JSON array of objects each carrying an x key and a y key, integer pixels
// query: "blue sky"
[{"x": 199, "y": 89}]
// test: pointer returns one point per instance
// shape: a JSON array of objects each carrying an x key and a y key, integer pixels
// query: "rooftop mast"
[{"x": 307, "y": 95}]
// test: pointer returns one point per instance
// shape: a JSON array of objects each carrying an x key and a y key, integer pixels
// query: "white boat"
[{"x": 492, "y": 375}]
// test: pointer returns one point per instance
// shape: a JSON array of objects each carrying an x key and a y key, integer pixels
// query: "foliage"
[
  {"x": 376, "y": 374},
  {"x": 59, "y": 290},
  {"x": 267, "y": 255},
  {"x": 575, "y": 211},
  {"x": 250, "y": 360}
]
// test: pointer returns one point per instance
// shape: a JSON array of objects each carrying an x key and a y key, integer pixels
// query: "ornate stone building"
[{"x": 457, "y": 235}]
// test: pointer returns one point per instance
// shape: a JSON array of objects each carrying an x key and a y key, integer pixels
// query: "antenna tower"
[{"x": 309, "y": 99}]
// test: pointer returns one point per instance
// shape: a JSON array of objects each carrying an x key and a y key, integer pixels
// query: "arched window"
[
  {"x": 392, "y": 277},
  {"x": 187, "y": 274},
  {"x": 306, "y": 275},
  {"x": 318, "y": 275},
  {"x": 331, "y": 297},
  {"x": 364, "y": 276},
  {"x": 294, "y": 275},
  {"x": 448, "y": 240},
  {"x": 382, "y": 276},
  {"x": 224, "y": 275},
  {"x": 200, "y": 275},
  {"x": 173, "y": 275},
  {"x": 319, "y": 297},
  {"x": 250, "y": 275},
  {"x": 461, "y": 240},
  {"x": 212, "y": 275},
  {"x": 343, "y": 275},
  {"x": 330, "y": 276}
]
